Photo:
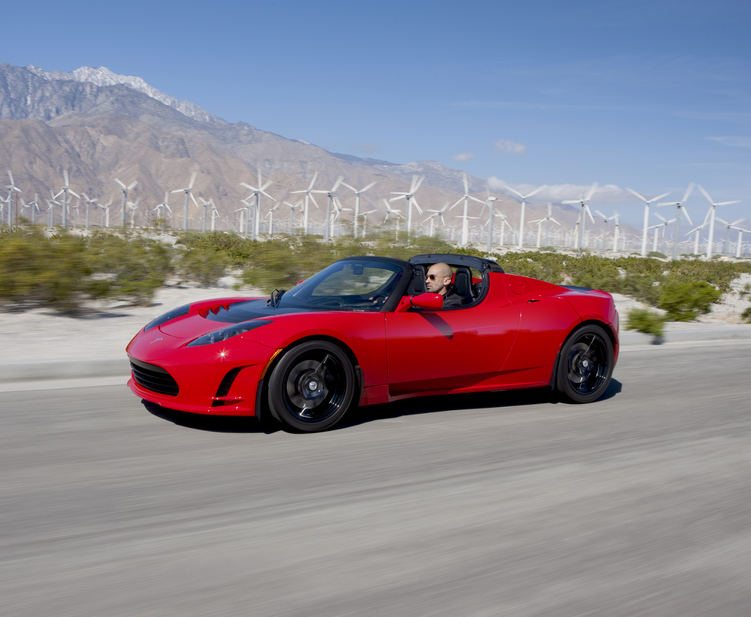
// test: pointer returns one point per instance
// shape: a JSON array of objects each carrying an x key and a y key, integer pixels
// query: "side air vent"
[{"x": 154, "y": 378}]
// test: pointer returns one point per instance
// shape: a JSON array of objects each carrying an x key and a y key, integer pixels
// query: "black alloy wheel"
[
  {"x": 586, "y": 365},
  {"x": 312, "y": 387}
]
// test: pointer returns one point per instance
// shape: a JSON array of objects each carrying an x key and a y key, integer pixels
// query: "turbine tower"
[
  {"x": 64, "y": 192},
  {"x": 397, "y": 215},
  {"x": 257, "y": 192},
  {"x": 465, "y": 219},
  {"x": 357, "y": 202},
  {"x": 524, "y": 204},
  {"x": 12, "y": 188},
  {"x": 584, "y": 203},
  {"x": 125, "y": 190},
  {"x": 308, "y": 194},
  {"x": 646, "y": 201},
  {"x": 410, "y": 197},
  {"x": 331, "y": 197},
  {"x": 711, "y": 216},
  {"x": 680, "y": 205},
  {"x": 544, "y": 219}
]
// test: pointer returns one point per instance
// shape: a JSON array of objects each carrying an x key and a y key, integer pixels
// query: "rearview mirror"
[{"x": 426, "y": 302}]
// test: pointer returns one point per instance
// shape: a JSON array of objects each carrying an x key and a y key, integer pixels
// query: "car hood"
[{"x": 196, "y": 324}]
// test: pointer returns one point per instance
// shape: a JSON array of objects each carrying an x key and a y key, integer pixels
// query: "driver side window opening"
[{"x": 468, "y": 283}]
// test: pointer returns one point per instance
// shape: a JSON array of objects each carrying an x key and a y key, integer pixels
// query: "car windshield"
[{"x": 346, "y": 285}]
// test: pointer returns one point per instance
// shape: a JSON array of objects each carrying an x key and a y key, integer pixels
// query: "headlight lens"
[
  {"x": 173, "y": 314},
  {"x": 217, "y": 336}
]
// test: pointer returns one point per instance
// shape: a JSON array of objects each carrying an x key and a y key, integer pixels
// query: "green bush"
[
  {"x": 746, "y": 316},
  {"x": 644, "y": 320},
  {"x": 686, "y": 301}
]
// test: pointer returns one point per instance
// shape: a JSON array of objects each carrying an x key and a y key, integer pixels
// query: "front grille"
[{"x": 154, "y": 378}]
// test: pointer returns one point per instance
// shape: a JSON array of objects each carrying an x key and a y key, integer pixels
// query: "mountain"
[{"x": 100, "y": 126}]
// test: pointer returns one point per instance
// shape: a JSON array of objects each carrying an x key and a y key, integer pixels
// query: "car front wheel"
[
  {"x": 311, "y": 387},
  {"x": 586, "y": 365}
]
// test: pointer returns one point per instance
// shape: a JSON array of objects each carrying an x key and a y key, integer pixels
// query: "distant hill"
[{"x": 99, "y": 126}]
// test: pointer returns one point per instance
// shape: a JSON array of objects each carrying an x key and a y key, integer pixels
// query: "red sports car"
[{"x": 365, "y": 331}]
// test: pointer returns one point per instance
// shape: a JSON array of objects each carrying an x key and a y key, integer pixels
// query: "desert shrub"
[
  {"x": 686, "y": 301},
  {"x": 202, "y": 264},
  {"x": 644, "y": 320},
  {"x": 657, "y": 255},
  {"x": 65, "y": 270},
  {"x": 746, "y": 316}
]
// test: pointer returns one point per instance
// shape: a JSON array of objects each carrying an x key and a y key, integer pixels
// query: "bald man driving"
[{"x": 438, "y": 281}]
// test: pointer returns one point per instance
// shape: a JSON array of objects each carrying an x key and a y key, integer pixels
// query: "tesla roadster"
[{"x": 364, "y": 331}]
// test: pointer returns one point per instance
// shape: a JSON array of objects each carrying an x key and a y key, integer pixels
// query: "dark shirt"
[{"x": 451, "y": 298}]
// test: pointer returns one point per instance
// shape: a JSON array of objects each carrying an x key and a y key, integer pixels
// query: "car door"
[{"x": 451, "y": 349}]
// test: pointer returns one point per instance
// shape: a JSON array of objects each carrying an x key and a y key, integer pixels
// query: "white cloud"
[
  {"x": 504, "y": 145},
  {"x": 738, "y": 142},
  {"x": 365, "y": 148},
  {"x": 463, "y": 156},
  {"x": 609, "y": 193}
]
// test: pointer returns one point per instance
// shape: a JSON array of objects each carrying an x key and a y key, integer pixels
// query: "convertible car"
[{"x": 364, "y": 331}]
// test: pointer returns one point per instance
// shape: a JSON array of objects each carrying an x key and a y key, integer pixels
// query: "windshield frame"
[{"x": 393, "y": 289}]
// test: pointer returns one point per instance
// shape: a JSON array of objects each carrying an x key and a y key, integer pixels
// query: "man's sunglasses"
[{"x": 432, "y": 277}]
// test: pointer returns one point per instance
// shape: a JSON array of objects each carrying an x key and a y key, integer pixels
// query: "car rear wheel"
[
  {"x": 311, "y": 387},
  {"x": 586, "y": 365}
]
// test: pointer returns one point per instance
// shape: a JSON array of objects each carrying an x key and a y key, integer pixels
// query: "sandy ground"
[{"x": 43, "y": 335}]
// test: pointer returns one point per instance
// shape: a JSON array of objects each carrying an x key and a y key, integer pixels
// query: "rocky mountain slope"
[{"x": 99, "y": 126}]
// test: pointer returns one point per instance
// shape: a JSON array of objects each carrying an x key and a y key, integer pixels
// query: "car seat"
[
  {"x": 417, "y": 284},
  {"x": 463, "y": 284}
]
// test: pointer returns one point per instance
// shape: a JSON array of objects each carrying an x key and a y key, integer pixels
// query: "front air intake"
[{"x": 154, "y": 378}]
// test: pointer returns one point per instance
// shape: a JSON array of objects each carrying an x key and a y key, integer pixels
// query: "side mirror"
[{"x": 427, "y": 302}]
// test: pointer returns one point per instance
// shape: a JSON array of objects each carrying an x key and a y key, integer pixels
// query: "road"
[{"x": 502, "y": 504}]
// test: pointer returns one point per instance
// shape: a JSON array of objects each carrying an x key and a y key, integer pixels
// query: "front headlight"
[{"x": 217, "y": 336}]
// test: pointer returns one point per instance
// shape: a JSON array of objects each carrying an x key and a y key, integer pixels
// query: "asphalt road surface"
[{"x": 503, "y": 504}]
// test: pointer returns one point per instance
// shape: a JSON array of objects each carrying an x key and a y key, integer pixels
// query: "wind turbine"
[
  {"x": 188, "y": 194},
  {"x": 292, "y": 211},
  {"x": 523, "y": 205},
  {"x": 410, "y": 197},
  {"x": 437, "y": 214},
  {"x": 308, "y": 194},
  {"x": 584, "y": 203},
  {"x": 364, "y": 216},
  {"x": 490, "y": 203},
  {"x": 331, "y": 196},
  {"x": 257, "y": 192},
  {"x": 465, "y": 219},
  {"x": 544, "y": 219},
  {"x": 89, "y": 201},
  {"x": 646, "y": 217},
  {"x": 206, "y": 205},
  {"x": 12, "y": 188},
  {"x": 711, "y": 216},
  {"x": 125, "y": 190},
  {"x": 34, "y": 205},
  {"x": 357, "y": 202},
  {"x": 270, "y": 214},
  {"x": 161, "y": 214},
  {"x": 106, "y": 214},
  {"x": 133, "y": 208},
  {"x": 397, "y": 215},
  {"x": 728, "y": 227},
  {"x": 64, "y": 192},
  {"x": 740, "y": 237},
  {"x": 680, "y": 206},
  {"x": 338, "y": 208},
  {"x": 664, "y": 225}
]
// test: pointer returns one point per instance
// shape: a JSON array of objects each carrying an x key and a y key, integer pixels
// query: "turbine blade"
[
  {"x": 192, "y": 179},
  {"x": 688, "y": 192},
  {"x": 688, "y": 218},
  {"x": 709, "y": 199},
  {"x": 313, "y": 181},
  {"x": 592, "y": 191},
  {"x": 65, "y": 175},
  {"x": 120, "y": 183},
  {"x": 537, "y": 190}
]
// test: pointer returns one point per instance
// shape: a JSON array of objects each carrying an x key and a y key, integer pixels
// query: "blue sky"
[{"x": 647, "y": 95}]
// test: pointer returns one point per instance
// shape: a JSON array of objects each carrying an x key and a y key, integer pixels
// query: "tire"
[
  {"x": 586, "y": 365},
  {"x": 311, "y": 387}
]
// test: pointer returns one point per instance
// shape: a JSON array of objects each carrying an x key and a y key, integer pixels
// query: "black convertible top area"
[{"x": 478, "y": 263}]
